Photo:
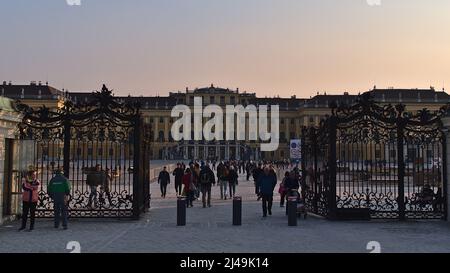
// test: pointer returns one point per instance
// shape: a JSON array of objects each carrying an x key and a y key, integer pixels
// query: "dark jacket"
[
  {"x": 164, "y": 177},
  {"x": 291, "y": 183},
  {"x": 59, "y": 184},
  {"x": 178, "y": 173},
  {"x": 266, "y": 184},
  {"x": 96, "y": 178},
  {"x": 207, "y": 173},
  {"x": 220, "y": 170},
  {"x": 256, "y": 173},
  {"x": 233, "y": 177}
]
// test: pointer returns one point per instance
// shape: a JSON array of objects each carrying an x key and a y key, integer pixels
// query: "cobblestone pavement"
[{"x": 211, "y": 230}]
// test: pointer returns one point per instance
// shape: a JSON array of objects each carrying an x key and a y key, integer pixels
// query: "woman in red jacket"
[
  {"x": 189, "y": 187},
  {"x": 30, "y": 187}
]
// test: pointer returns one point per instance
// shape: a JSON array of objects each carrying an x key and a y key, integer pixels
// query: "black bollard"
[
  {"x": 181, "y": 211},
  {"x": 237, "y": 211},
  {"x": 292, "y": 211}
]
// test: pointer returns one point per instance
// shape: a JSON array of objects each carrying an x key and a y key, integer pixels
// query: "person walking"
[
  {"x": 105, "y": 187},
  {"x": 30, "y": 187},
  {"x": 266, "y": 184},
  {"x": 223, "y": 182},
  {"x": 257, "y": 171},
  {"x": 94, "y": 179},
  {"x": 207, "y": 179},
  {"x": 178, "y": 174},
  {"x": 59, "y": 190},
  {"x": 163, "y": 181},
  {"x": 233, "y": 181},
  {"x": 282, "y": 189},
  {"x": 189, "y": 187},
  {"x": 248, "y": 169}
]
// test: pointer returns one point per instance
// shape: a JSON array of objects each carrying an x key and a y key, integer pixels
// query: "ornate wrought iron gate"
[
  {"x": 102, "y": 136},
  {"x": 378, "y": 159}
]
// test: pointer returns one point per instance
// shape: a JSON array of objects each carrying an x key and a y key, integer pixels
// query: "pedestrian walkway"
[{"x": 211, "y": 230}]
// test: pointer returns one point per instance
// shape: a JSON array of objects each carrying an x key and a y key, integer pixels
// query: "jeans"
[
  {"x": 206, "y": 190},
  {"x": 92, "y": 195},
  {"x": 283, "y": 196},
  {"x": 163, "y": 187},
  {"x": 178, "y": 187},
  {"x": 105, "y": 189},
  {"x": 190, "y": 198},
  {"x": 31, "y": 208},
  {"x": 60, "y": 208},
  {"x": 223, "y": 189},
  {"x": 232, "y": 186},
  {"x": 267, "y": 204}
]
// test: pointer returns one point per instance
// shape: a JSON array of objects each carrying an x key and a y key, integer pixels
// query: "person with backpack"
[
  {"x": 59, "y": 190},
  {"x": 223, "y": 182},
  {"x": 95, "y": 177},
  {"x": 207, "y": 179}
]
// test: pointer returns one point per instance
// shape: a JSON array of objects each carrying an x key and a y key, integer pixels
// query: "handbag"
[{"x": 192, "y": 186}]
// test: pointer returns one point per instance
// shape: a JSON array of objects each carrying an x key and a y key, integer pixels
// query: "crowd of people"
[{"x": 195, "y": 181}]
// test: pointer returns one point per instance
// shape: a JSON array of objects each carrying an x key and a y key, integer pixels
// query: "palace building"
[{"x": 295, "y": 113}]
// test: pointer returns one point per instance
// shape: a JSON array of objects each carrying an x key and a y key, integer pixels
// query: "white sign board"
[{"x": 296, "y": 149}]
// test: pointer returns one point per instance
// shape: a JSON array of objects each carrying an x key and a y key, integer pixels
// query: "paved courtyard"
[{"x": 211, "y": 230}]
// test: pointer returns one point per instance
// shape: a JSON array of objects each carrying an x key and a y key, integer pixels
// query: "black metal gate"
[
  {"x": 379, "y": 160},
  {"x": 101, "y": 136}
]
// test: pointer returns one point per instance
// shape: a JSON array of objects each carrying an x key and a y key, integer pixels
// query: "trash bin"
[
  {"x": 237, "y": 211},
  {"x": 181, "y": 211},
  {"x": 292, "y": 211}
]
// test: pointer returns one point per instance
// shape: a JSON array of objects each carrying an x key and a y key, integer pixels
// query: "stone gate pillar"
[{"x": 446, "y": 123}]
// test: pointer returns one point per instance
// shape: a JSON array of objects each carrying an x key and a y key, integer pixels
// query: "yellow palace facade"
[{"x": 294, "y": 114}]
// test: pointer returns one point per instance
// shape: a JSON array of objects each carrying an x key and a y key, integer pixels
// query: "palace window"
[
  {"x": 161, "y": 136},
  {"x": 392, "y": 153},
  {"x": 161, "y": 120},
  {"x": 212, "y": 100},
  {"x": 377, "y": 153},
  {"x": 222, "y": 100},
  {"x": 411, "y": 154},
  {"x": 232, "y": 100}
]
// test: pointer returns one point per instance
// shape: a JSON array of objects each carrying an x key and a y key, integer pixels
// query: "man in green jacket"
[{"x": 59, "y": 190}]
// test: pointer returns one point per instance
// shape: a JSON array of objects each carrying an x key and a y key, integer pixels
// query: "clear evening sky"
[{"x": 271, "y": 47}]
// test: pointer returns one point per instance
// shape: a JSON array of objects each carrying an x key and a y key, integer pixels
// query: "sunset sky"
[{"x": 271, "y": 47}]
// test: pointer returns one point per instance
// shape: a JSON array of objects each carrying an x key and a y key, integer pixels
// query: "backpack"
[{"x": 204, "y": 178}]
